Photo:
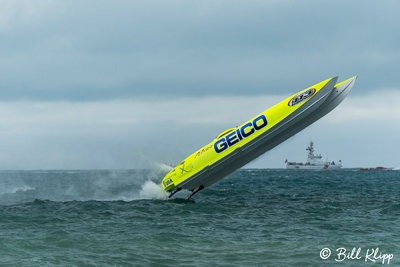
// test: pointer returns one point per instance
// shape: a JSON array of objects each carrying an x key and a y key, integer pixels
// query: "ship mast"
[
  {"x": 310, "y": 150},
  {"x": 311, "y": 157}
]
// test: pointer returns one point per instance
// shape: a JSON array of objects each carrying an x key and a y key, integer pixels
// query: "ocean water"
[{"x": 256, "y": 217}]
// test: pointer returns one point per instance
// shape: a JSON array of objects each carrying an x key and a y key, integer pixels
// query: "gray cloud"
[
  {"x": 74, "y": 50},
  {"x": 66, "y": 66}
]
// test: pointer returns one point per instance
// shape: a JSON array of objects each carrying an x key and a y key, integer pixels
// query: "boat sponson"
[{"x": 271, "y": 138}]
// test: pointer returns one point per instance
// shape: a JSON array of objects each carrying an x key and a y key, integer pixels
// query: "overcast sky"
[{"x": 120, "y": 84}]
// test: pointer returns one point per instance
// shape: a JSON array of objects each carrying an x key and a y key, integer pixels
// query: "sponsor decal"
[
  {"x": 299, "y": 98},
  {"x": 240, "y": 133},
  {"x": 200, "y": 152},
  {"x": 168, "y": 182}
]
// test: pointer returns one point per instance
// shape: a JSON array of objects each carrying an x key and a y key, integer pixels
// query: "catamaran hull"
[{"x": 325, "y": 100}]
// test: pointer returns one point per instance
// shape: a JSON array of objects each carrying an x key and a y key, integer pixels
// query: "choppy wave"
[{"x": 103, "y": 185}]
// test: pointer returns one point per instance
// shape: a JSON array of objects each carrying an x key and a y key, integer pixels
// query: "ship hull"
[
  {"x": 312, "y": 167},
  {"x": 306, "y": 167}
]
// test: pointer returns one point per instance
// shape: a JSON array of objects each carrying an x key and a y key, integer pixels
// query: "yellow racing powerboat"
[{"x": 237, "y": 146}]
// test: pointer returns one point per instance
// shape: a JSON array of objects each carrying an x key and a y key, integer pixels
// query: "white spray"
[{"x": 151, "y": 190}]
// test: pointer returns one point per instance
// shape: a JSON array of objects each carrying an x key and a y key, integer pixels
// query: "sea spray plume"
[
  {"x": 151, "y": 190},
  {"x": 82, "y": 185},
  {"x": 129, "y": 185},
  {"x": 154, "y": 165},
  {"x": 12, "y": 189}
]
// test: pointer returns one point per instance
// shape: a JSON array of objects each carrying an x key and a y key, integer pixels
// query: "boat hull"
[{"x": 218, "y": 159}]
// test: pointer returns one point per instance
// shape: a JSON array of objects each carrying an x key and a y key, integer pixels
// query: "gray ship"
[{"x": 314, "y": 162}]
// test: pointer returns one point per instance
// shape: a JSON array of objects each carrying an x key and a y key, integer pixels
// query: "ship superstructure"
[{"x": 314, "y": 161}]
